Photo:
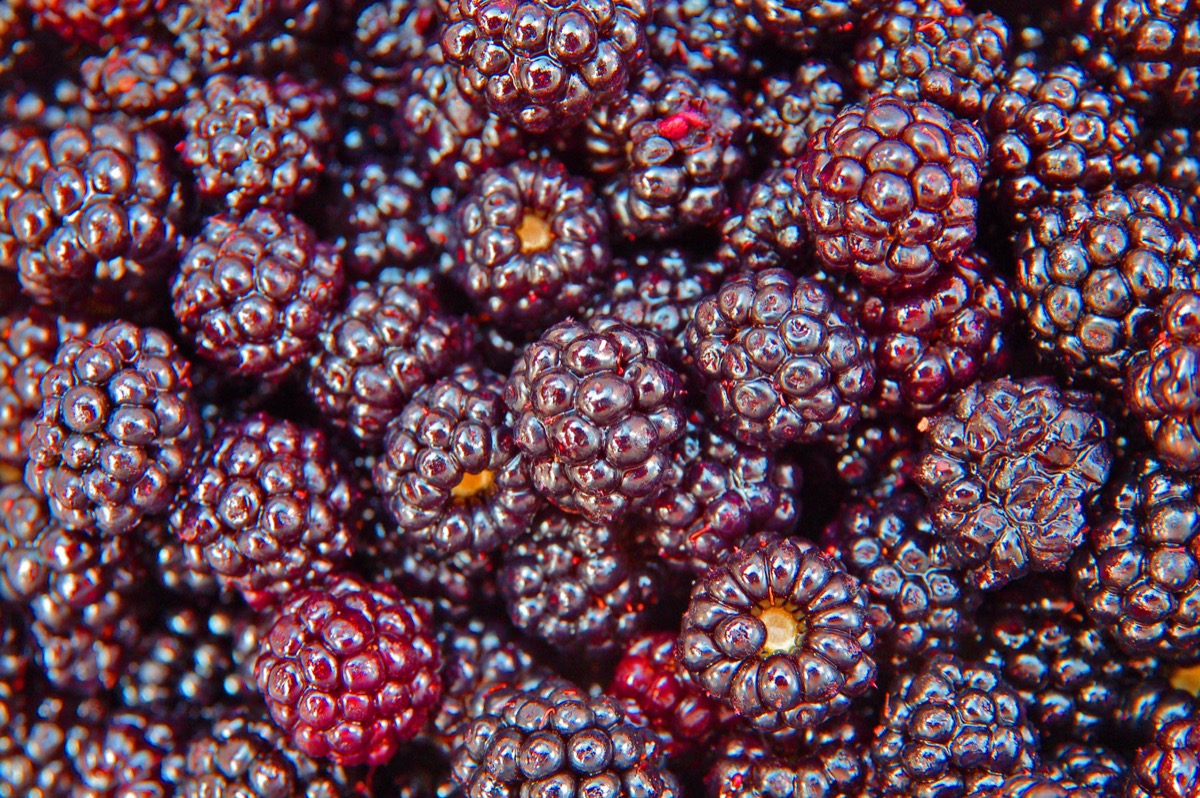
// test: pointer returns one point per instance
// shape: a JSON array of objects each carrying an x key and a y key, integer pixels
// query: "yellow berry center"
[
  {"x": 535, "y": 233},
  {"x": 473, "y": 484},
  {"x": 1187, "y": 679},
  {"x": 783, "y": 629}
]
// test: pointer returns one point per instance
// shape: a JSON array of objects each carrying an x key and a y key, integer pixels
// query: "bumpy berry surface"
[
  {"x": 789, "y": 108},
  {"x": 1174, "y": 162},
  {"x": 142, "y": 78},
  {"x": 707, "y": 38},
  {"x": 1167, "y": 768},
  {"x": 349, "y": 671},
  {"x": 802, "y": 25},
  {"x": 93, "y": 21},
  {"x": 780, "y": 633},
  {"x": 389, "y": 34},
  {"x": 235, "y": 35},
  {"x": 832, "y": 763},
  {"x": 14, "y": 35},
  {"x": 769, "y": 229},
  {"x": 1007, "y": 469},
  {"x": 1091, "y": 767}
]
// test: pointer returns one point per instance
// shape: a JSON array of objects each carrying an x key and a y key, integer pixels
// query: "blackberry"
[
  {"x": 875, "y": 454},
  {"x": 1167, "y": 767},
  {"x": 1091, "y": 767},
  {"x": 576, "y": 585},
  {"x": 142, "y": 78},
  {"x": 932, "y": 341},
  {"x": 665, "y": 154},
  {"x": 450, "y": 472},
  {"x": 789, "y": 108},
  {"x": 1092, "y": 272},
  {"x": 544, "y": 65},
  {"x": 235, "y": 35},
  {"x": 126, "y": 753},
  {"x": 889, "y": 190},
  {"x": 392, "y": 338},
  {"x": 84, "y": 661},
  {"x": 1160, "y": 386},
  {"x": 33, "y": 742},
  {"x": 349, "y": 671},
  {"x": 702, "y": 38},
  {"x": 803, "y": 25},
  {"x": 654, "y": 687},
  {"x": 781, "y": 360},
  {"x": 460, "y": 585},
  {"x": 1138, "y": 576},
  {"x": 780, "y": 632},
  {"x": 933, "y": 50},
  {"x": 724, "y": 492},
  {"x": 951, "y": 729},
  {"x": 1173, "y": 161},
  {"x": 595, "y": 411},
  {"x": 1008, "y": 467},
  {"x": 919, "y": 603},
  {"x": 15, "y": 41},
  {"x": 390, "y": 34},
  {"x": 253, "y": 292},
  {"x": 833, "y": 764},
  {"x": 117, "y": 430},
  {"x": 253, "y": 142},
  {"x": 769, "y": 231},
  {"x": 447, "y": 134},
  {"x": 89, "y": 216},
  {"x": 531, "y": 244},
  {"x": 95, "y": 22},
  {"x": 1148, "y": 707},
  {"x": 1037, "y": 786},
  {"x": 268, "y": 509},
  {"x": 1055, "y": 135},
  {"x": 556, "y": 739}
]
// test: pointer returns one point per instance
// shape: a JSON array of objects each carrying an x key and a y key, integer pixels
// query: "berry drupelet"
[
  {"x": 781, "y": 360},
  {"x": 545, "y": 65},
  {"x": 1008, "y": 467},
  {"x": 789, "y": 108},
  {"x": 531, "y": 244},
  {"x": 595, "y": 410},
  {"x": 451, "y": 473},
  {"x": 1138, "y": 575},
  {"x": 779, "y": 632},
  {"x": 390, "y": 34},
  {"x": 238, "y": 35},
  {"x": 95, "y": 22},
  {"x": 889, "y": 190},
  {"x": 1161, "y": 383},
  {"x": 706, "y": 38},
  {"x": 253, "y": 292},
  {"x": 142, "y": 78},
  {"x": 268, "y": 508},
  {"x": 117, "y": 430},
  {"x": 951, "y": 729},
  {"x": 349, "y": 671},
  {"x": 1091, "y": 767},
  {"x": 1173, "y": 161},
  {"x": 1170, "y": 766},
  {"x": 768, "y": 231},
  {"x": 803, "y": 25}
]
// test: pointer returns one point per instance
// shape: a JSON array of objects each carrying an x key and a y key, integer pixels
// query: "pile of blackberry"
[{"x": 605, "y": 398}]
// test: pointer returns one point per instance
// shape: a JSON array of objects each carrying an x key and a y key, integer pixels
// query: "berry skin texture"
[
  {"x": 781, "y": 361},
  {"x": 142, "y": 77},
  {"x": 117, "y": 431},
  {"x": 595, "y": 412},
  {"x": 831, "y": 763},
  {"x": 545, "y": 65},
  {"x": 1008, "y": 468},
  {"x": 889, "y": 190},
  {"x": 1091, "y": 767},
  {"x": 769, "y": 231},
  {"x": 1138, "y": 575},
  {"x": 96, "y": 22},
  {"x": 349, "y": 671},
  {"x": 451, "y": 472},
  {"x": 268, "y": 508},
  {"x": 532, "y": 244},
  {"x": 789, "y": 109},
  {"x": 1170, "y": 766},
  {"x": 951, "y": 729},
  {"x": 802, "y": 25},
  {"x": 780, "y": 633},
  {"x": 253, "y": 292},
  {"x": 1163, "y": 386}
]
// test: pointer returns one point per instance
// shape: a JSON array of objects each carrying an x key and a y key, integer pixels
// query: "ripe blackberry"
[
  {"x": 832, "y": 764},
  {"x": 239, "y": 755},
  {"x": 1160, "y": 384},
  {"x": 142, "y": 78},
  {"x": 951, "y": 729},
  {"x": 85, "y": 661},
  {"x": 1008, "y": 468},
  {"x": 768, "y": 231},
  {"x": 349, "y": 671},
  {"x": 531, "y": 244},
  {"x": 1091, "y": 767},
  {"x": 789, "y": 108},
  {"x": 876, "y": 454},
  {"x": 576, "y": 585},
  {"x": 88, "y": 216},
  {"x": 1092, "y": 272},
  {"x": 1138, "y": 575},
  {"x": 889, "y": 190},
  {"x": 558, "y": 740},
  {"x": 657, "y": 690},
  {"x": 451, "y": 473},
  {"x": 780, "y": 632},
  {"x": 447, "y": 134},
  {"x": 706, "y": 39},
  {"x": 117, "y": 430},
  {"x": 94, "y": 22},
  {"x": 268, "y": 509},
  {"x": 724, "y": 492},
  {"x": 253, "y": 142},
  {"x": 236, "y": 35},
  {"x": 1173, "y": 161},
  {"x": 390, "y": 34},
  {"x": 544, "y": 65},
  {"x": 781, "y": 360},
  {"x": 933, "y": 50},
  {"x": 1056, "y": 135},
  {"x": 919, "y": 602},
  {"x": 1149, "y": 707},
  {"x": 665, "y": 154},
  {"x": 392, "y": 338},
  {"x": 932, "y": 341},
  {"x": 124, "y": 753},
  {"x": 253, "y": 292},
  {"x": 803, "y": 25},
  {"x": 1167, "y": 767},
  {"x": 595, "y": 410}
]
